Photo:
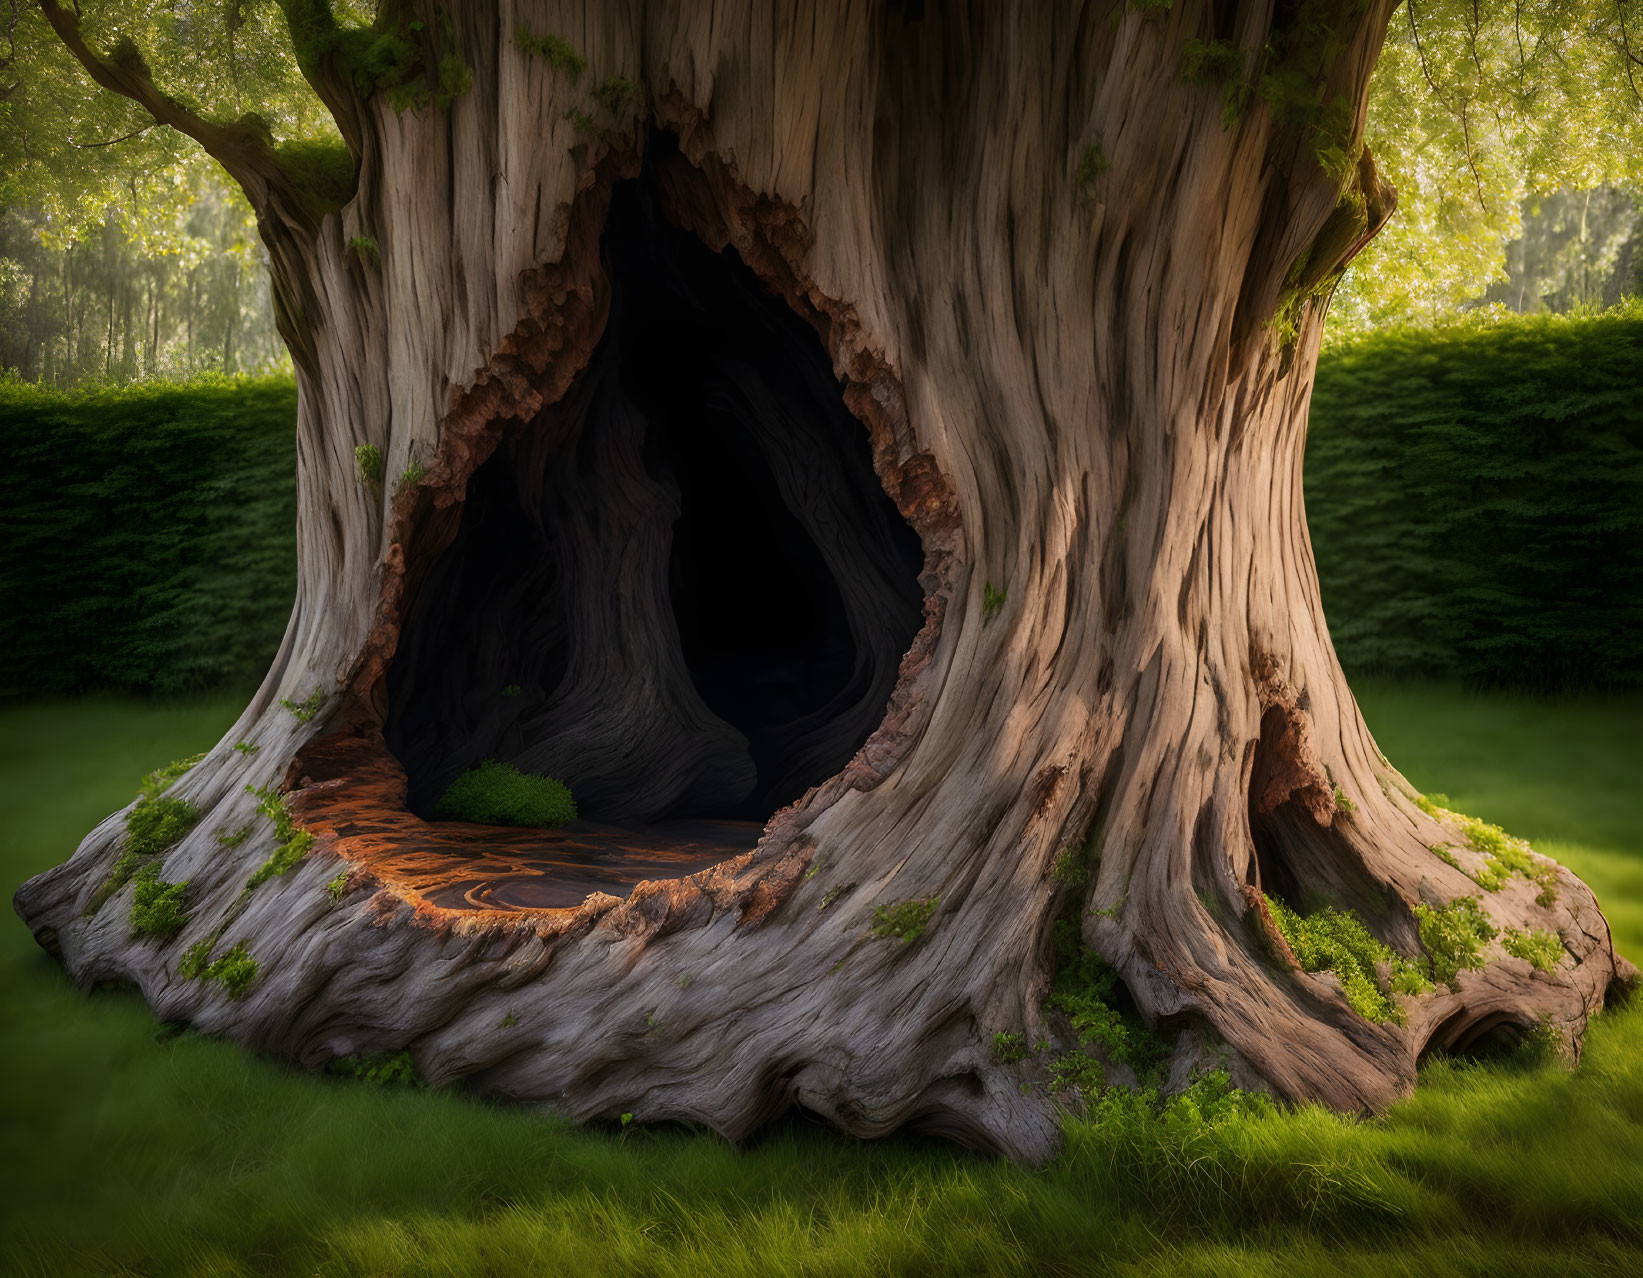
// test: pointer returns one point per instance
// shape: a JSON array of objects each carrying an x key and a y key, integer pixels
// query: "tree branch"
[
  {"x": 124, "y": 137},
  {"x": 244, "y": 147},
  {"x": 317, "y": 38}
]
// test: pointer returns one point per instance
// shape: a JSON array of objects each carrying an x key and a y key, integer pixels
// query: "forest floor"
[{"x": 125, "y": 1149}]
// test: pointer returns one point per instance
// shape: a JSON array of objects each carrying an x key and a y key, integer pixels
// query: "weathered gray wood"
[{"x": 1073, "y": 394}]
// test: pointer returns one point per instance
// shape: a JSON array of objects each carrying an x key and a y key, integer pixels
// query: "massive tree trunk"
[{"x": 865, "y": 463}]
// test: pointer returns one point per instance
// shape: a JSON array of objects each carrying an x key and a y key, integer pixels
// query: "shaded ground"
[{"x": 127, "y": 1150}]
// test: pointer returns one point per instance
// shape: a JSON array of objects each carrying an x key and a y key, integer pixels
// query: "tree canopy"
[{"x": 1475, "y": 105}]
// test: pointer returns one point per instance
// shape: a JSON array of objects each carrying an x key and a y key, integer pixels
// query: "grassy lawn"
[{"x": 128, "y": 1151}]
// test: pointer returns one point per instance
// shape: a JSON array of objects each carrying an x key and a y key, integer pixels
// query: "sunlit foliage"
[{"x": 1473, "y": 107}]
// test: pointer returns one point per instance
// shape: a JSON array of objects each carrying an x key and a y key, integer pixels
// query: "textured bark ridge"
[{"x": 865, "y": 461}]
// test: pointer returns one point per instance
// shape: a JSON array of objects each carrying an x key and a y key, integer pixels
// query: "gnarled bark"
[{"x": 1074, "y": 394}]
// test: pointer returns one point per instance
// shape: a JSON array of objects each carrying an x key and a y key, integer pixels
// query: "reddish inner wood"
[{"x": 352, "y": 793}]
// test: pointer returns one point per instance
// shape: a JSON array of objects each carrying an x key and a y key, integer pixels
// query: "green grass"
[{"x": 130, "y": 1150}]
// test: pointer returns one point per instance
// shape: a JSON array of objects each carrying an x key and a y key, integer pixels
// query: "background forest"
[{"x": 1474, "y": 484}]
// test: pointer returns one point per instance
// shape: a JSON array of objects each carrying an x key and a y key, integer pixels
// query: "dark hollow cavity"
[{"x": 682, "y": 589}]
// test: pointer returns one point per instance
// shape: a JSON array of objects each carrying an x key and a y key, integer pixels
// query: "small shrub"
[
  {"x": 1454, "y": 937},
  {"x": 497, "y": 793},
  {"x": 238, "y": 837},
  {"x": 369, "y": 457},
  {"x": 157, "y": 908},
  {"x": 246, "y": 748},
  {"x": 1344, "y": 804},
  {"x": 1332, "y": 940},
  {"x": 367, "y": 248},
  {"x": 1008, "y": 1047},
  {"x": 1543, "y": 949},
  {"x": 1543, "y": 1044},
  {"x": 508, "y": 1021},
  {"x": 512, "y": 690},
  {"x": 906, "y": 921},
  {"x": 337, "y": 886},
  {"x": 308, "y": 707}
]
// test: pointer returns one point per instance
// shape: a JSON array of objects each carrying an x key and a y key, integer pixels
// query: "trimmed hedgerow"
[
  {"x": 498, "y": 793},
  {"x": 1475, "y": 496},
  {"x": 146, "y": 534},
  {"x": 1476, "y": 500}
]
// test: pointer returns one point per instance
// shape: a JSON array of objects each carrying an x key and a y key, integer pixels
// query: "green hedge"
[
  {"x": 146, "y": 534},
  {"x": 1475, "y": 496}
]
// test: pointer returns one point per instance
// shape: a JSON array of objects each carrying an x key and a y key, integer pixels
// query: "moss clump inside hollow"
[
  {"x": 497, "y": 793},
  {"x": 1332, "y": 940}
]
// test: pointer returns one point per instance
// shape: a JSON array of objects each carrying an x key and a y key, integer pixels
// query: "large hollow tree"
[{"x": 858, "y": 448}]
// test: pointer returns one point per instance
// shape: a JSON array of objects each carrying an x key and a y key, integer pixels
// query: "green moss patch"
[
  {"x": 1086, "y": 987},
  {"x": 906, "y": 921},
  {"x": 560, "y": 53},
  {"x": 497, "y": 793},
  {"x": 1506, "y": 854},
  {"x": 1543, "y": 949},
  {"x": 157, "y": 906},
  {"x": 234, "y": 971},
  {"x": 154, "y": 826},
  {"x": 1332, "y": 940},
  {"x": 1454, "y": 937},
  {"x": 308, "y": 707},
  {"x": 292, "y": 841}
]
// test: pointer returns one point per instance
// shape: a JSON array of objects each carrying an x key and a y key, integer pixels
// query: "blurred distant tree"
[{"x": 1475, "y": 106}]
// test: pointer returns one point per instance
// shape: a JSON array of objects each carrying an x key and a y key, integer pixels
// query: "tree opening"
[
  {"x": 681, "y": 589},
  {"x": 1493, "y": 1035}
]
